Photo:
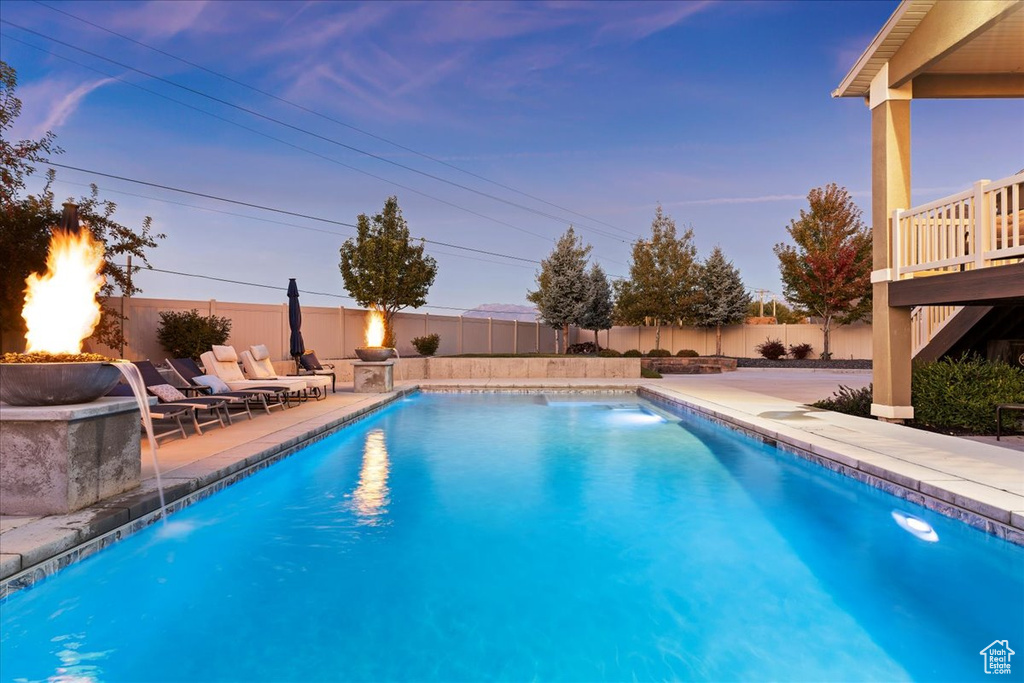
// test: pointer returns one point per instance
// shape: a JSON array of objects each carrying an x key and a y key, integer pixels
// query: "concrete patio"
[{"x": 980, "y": 483}]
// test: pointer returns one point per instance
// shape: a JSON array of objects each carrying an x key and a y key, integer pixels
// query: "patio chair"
[
  {"x": 309, "y": 363},
  {"x": 162, "y": 413},
  {"x": 193, "y": 380},
  {"x": 168, "y": 394},
  {"x": 222, "y": 362},
  {"x": 257, "y": 365}
]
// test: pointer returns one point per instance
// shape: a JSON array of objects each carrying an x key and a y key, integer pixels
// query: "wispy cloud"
[
  {"x": 160, "y": 19},
  {"x": 740, "y": 200},
  {"x": 48, "y": 104},
  {"x": 632, "y": 26}
]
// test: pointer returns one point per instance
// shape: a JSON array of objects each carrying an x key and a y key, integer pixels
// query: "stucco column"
[{"x": 890, "y": 190}]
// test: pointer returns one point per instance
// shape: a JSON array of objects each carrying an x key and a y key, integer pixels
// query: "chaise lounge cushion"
[
  {"x": 225, "y": 353},
  {"x": 259, "y": 352}
]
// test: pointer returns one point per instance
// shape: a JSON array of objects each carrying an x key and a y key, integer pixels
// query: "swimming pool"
[{"x": 470, "y": 537}]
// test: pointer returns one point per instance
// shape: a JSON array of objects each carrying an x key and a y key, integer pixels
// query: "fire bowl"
[
  {"x": 55, "y": 384},
  {"x": 373, "y": 354}
]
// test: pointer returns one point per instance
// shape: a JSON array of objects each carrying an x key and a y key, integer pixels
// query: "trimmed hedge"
[
  {"x": 609, "y": 353},
  {"x": 427, "y": 345},
  {"x": 687, "y": 353},
  {"x": 632, "y": 353},
  {"x": 961, "y": 394},
  {"x": 659, "y": 353}
]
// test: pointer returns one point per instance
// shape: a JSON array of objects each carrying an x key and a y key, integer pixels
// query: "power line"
[
  {"x": 279, "y": 140},
  {"x": 280, "y": 211},
  {"x": 301, "y": 291},
  {"x": 324, "y": 138},
  {"x": 326, "y": 117}
]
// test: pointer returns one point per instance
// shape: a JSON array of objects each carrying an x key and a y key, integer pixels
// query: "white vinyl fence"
[{"x": 336, "y": 332}]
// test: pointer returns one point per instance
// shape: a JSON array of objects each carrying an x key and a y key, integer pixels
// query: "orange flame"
[
  {"x": 60, "y": 306},
  {"x": 375, "y": 329}
]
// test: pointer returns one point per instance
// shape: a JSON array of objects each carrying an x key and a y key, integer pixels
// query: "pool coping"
[{"x": 88, "y": 531}]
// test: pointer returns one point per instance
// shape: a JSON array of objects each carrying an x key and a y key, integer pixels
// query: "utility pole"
[{"x": 760, "y": 298}]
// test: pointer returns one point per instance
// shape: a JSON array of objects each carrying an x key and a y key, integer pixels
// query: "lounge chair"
[
  {"x": 309, "y": 363},
  {"x": 168, "y": 394},
  {"x": 162, "y": 413},
  {"x": 257, "y": 365},
  {"x": 222, "y": 362},
  {"x": 193, "y": 380}
]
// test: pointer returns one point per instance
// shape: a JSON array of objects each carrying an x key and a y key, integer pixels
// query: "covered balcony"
[{"x": 945, "y": 266}]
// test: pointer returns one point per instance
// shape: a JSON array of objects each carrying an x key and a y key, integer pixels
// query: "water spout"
[{"x": 134, "y": 379}]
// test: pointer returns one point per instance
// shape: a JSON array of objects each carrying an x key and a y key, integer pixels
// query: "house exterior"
[{"x": 946, "y": 265}]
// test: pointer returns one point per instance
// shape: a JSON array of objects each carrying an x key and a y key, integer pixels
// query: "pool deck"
[{"x": 977, "y": 481}]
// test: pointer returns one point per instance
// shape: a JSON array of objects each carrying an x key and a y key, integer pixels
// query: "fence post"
[
  {"x": 515, "y": 336},
  {"x": 213, "y": 307},
  {"x": 537, "y": 330},
  {"x": 490, "y": 335},
  {"x": 426, "y": 324},
  {"x": 458, "y": 346}
]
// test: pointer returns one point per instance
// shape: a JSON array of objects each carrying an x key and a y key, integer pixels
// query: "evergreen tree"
[
  {"x": 721, "y": 298},
  {"x": 828, "y": 272},
  {"x": 662, "y": 277},
  {"x": 382, "y": 269},
  {"x": 563, "y": 288},
  {"x": 598, "y": 312}
]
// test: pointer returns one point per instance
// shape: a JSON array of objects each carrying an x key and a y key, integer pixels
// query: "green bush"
[
  {"x": 609, "y": 353},
  {"x": 772, "y": 349},
  {"x": 188, "y": 335},
  {"x": 659, "y": 353},
  {"x": 427, "y": 345},
  {"x": 800, "y": 351},
  {"x": 687, "y": 353},
  {"x": 961, "y": 394},
  {"x": 632, "y": 353},
  {"x": 850, "y": 401},
  {"x": 649, "y": 373}
]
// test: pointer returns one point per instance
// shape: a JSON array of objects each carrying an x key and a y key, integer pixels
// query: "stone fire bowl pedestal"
[
  {"x": 373, "y": 378},
  {"x": 58, "y": 459}
]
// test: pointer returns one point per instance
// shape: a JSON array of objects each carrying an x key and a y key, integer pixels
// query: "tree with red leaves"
[{"x": 828, "y": 272}]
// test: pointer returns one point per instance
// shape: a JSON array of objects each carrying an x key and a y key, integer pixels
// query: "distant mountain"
[{"x": 526, "y": 314}]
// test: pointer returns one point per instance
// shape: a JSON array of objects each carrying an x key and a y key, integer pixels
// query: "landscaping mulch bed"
[{"x": 814, "y": 363}]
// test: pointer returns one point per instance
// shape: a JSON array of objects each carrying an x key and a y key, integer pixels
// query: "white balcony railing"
[{"x": 978, "y": 228}]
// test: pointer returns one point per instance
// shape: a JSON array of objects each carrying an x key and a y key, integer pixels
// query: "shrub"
[
  {"x": 962, "y": 393},
  {"x": 800, "y": 351},
  {"x": 687, "y": 353},
  {"x": 772, "y": 349},
  {"x": 649, "y": 373},
  {"x": 850, "y": 401},
  {"x": 826, "y": 356},
  {"x": 609, "y": 353},
  {"x": 659, "y": 353},
  {"x": 427, "y": 345},
  {"x": 186, "y": 334},
  {"x": 582, "y": 348},
  {"x": 632, "y": 353}
]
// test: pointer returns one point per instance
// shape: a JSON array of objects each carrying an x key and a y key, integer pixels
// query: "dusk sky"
[{"x": 720, "y": 111}]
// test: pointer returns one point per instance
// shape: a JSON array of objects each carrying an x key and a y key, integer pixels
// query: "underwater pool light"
[{"x": 915, "y": 525}]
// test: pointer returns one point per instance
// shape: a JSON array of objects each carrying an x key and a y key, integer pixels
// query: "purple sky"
[{"x": 720, "y": 111}]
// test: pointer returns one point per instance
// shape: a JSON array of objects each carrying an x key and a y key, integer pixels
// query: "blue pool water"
[{"x": 471, "y": 537}]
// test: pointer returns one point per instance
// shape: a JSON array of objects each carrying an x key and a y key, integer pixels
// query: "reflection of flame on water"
[
  {"x": 370, "y": 499},
  {"x": 375, "y": 329},
  {"x": 60, "y": 306}
]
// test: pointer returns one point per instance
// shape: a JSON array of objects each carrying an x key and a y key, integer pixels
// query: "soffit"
[{"x": 999, "y": 50}]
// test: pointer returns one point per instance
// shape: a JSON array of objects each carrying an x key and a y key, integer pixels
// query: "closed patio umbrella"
[{"x": 296, "y": 346}]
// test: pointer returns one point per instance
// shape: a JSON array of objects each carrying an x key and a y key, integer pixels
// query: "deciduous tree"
[
  {"x": 383, "y": 269},
  {"x": 721, "y": 298},
  {"x": 662, "y": 277},
  {"x": 563, "y": 288},
  {"x": 25, "y": 225},
  {"x": 828, "y": 271}
]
